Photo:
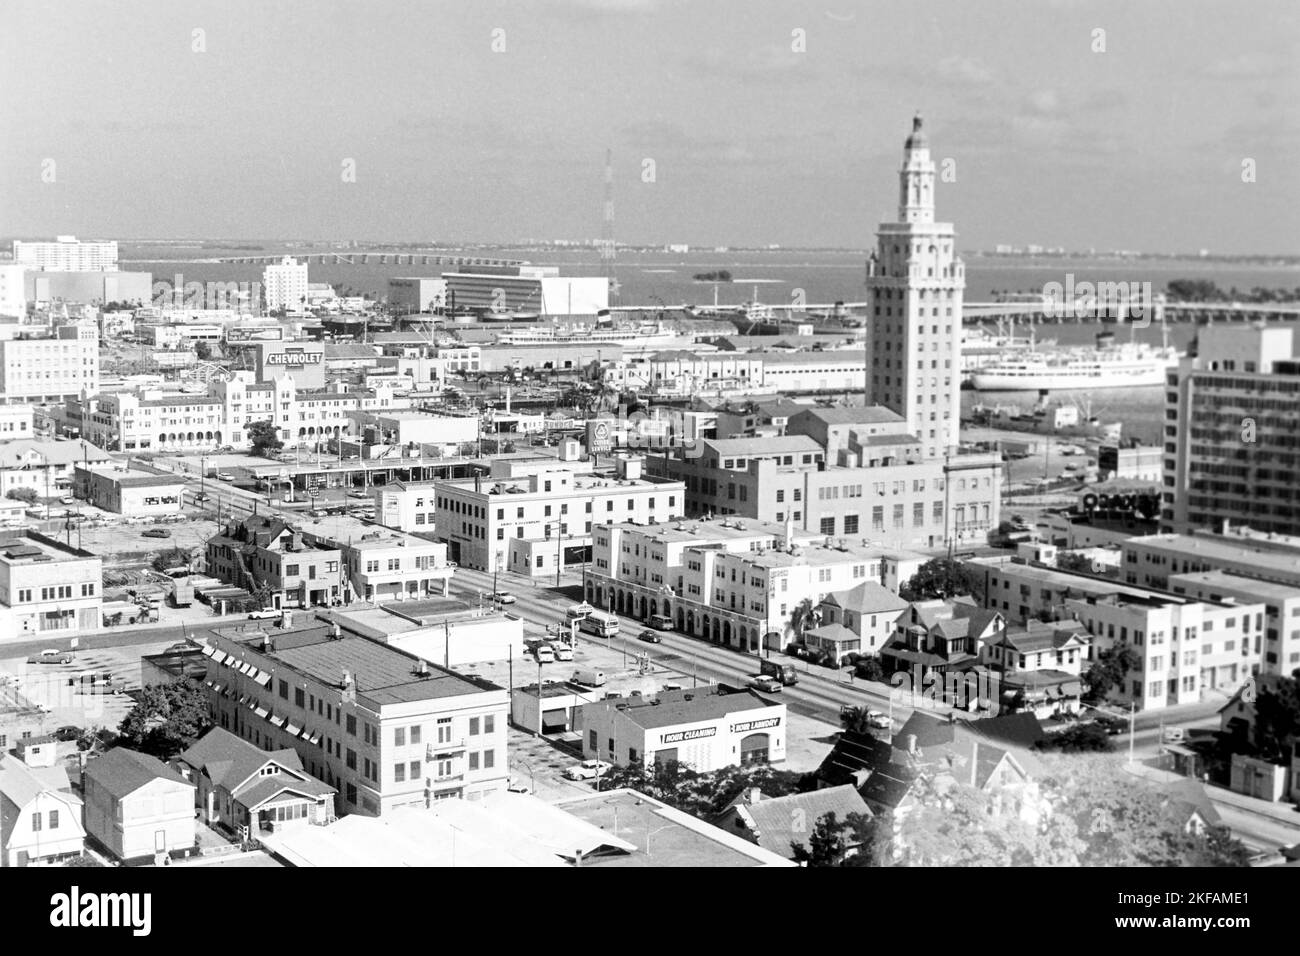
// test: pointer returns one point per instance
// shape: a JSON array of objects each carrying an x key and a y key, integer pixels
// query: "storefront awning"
[{"x": 313, "y": 738}]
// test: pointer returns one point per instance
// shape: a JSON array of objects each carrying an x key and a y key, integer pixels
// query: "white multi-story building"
[
  {"x": 1151, "y": 559},
  {"x": 47, "y": 589},
  {"x": 1281, "y": 651},
  {"x": 527, "y": 524},
  {"x": 386, "y": 728},
  {"x": 66, "y": 254},
  {"x": 734, "y": 582},
  {"x": 284, "y": 285},
  {"x": 914, "y": 294},
  {"x": 13, "y": 294},
  {"x": 50, "y": 370}
]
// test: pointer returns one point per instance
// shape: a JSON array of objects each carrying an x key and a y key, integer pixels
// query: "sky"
[{"x": 732, "y": 122}]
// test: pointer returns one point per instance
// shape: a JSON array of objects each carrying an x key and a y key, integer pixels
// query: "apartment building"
[
  {"x": 1150, "y": 560},
  {"x": 384, "y": 727},
  {"x": 55, "y": 369},
  {"x": 1281, "y": 651},
  {"x": 1230, "y": 449},
  {"x": 66, "y": 254},
  {"x": 13, "y": 292},
  {"x": 531, "y": 524},
  {"x": 284, "y": 285},
  {"x": 881, "y": 490},
  {"x": 151, "y": 419},
  {"x": 47, "y": 589},
  {"x": 1186, "y": 645},
  {"x": 732, "y": 582},
  {"x": 262, "y": 553}
]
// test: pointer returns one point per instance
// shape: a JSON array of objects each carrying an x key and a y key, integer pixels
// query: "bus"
[{"x": 600, "y": 624}]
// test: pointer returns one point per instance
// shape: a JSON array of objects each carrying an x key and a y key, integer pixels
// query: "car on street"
[
  {"x": 650, "y": 637},
  {"x": 503, "y": 597},
  {"x": 1112, "y": 725},
  {"x": 1175, "y": 735},
  {"x": 588, "y": 770},
  {"x": 358, "y": 494},
  {"x": 878, "y": 720},
  {"x": 317, "y": 513},
  {"x": 156, "y": 533},
  {"x": 51, "y": 657},
  {"x": 266, "y": 614},
  {"x": 764, "y": 682},
  {"x": 67, "y": 500},
  {"x": 518, "y": 788},
  {"x": 201, "y": 497},
  {"x": 225, "y": 476},
  {"x": 68, "y": 732}
]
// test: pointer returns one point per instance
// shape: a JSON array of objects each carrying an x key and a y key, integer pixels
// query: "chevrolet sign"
[{"x": 295, "y": 357}]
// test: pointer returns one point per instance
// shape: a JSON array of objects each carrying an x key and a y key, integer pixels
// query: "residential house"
[
  {"x": 869, "y": 610},
  {"x": 778, "y": 823},
  {"x": 937, "y": 639},
  {"x": 136, "y": 806},
  {"x": 40, "y": 817},
  {"x": 250, "y": 791},
  {"x": 1039, "y": 666}
]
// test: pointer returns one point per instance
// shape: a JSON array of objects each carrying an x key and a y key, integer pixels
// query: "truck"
[
  {"x": 182, "y": 593},
  {"x": 785, "y": 673},
  {"x": 589, "y": 677},
  {"x": 600, "y": 624}
]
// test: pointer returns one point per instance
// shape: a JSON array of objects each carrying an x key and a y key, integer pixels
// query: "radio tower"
[{"x": 607, "y": 229}]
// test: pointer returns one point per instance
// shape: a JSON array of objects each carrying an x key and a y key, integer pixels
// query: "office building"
[
  {"x": 13, "y": 291},
  {"x": 384, "y": 727},
  {"x": 914, "y": 296},
  {"x": 1281, "y": 651},
  {"x": 1150, "y": 560},
  {"x": 284, "y": 286},
  {"x": 1230, "y": 425},
  {"x": 55, "y": 369},
  {"x": 66, "y": 254},
  {"x": 537, "y": 289},
  {"x": 422, "y": 294}
]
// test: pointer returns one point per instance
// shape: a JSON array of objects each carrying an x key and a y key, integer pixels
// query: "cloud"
[
  {"x": 765, "y": 63},
  {"x": 1247, "y": 66},
  {"x": 963, "y": 70}
]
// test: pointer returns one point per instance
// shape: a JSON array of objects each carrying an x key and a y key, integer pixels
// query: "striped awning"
[{"x": 312, "y": 737}]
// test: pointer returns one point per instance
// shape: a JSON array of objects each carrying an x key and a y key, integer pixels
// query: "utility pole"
[
  {"x": 559, "y": 552},
  {"x": 1131, "y": 734}
]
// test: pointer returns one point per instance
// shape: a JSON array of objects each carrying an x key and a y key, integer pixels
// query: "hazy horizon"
[{"x": 489, "y": 124}]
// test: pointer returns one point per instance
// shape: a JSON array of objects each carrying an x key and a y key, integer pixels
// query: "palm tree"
[{"x": 806, "y": 617}]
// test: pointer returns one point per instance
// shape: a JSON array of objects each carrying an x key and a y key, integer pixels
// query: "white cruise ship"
[{"x": 1105, "y": 366}]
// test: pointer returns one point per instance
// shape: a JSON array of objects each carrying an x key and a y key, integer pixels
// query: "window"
[
  {"x": 399, "y": 772},
  {"x": 444, "y": 730},
  {"x": 473, "y": 726},
  {"x": 352, "y": 759},
  {"x": 489, "y": 725},
  {"x": 350, "y": 793},
  {"x": 352, "y": 725},
  {"x": 415, "y": 734},
  {"x": 850, "y": 524},
  {"x": 415, "y": 770},
  {"x": 36, "y": 821},
  {"x": 54, "y": 819},
  {"x": 473, "y": 761},
  {"x": 284, "y": 689},
  {"x": 490, "y": 759},
  {"x": 828, "y": 525},
  {"x": 399, "y": 737}
]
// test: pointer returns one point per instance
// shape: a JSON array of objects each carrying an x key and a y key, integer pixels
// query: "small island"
[{"x": 722, "y": 275}]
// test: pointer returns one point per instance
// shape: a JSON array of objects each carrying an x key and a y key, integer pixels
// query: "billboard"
[{"x": 257, "y": 333}]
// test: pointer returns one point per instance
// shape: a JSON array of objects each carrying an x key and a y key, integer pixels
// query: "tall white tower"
[{"x": 914, "y": 292}]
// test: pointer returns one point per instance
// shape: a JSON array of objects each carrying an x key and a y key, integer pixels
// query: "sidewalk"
[{"x": 1284, "y": 813}]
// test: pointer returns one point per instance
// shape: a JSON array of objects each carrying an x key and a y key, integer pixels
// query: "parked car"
[
  {"x": 225, "y": 476},
  {"x": 764, "y": 683},
  {"x": 518, "y": 788},
  {"x": 156, "y": 533},
  {"x": 650, "y": 637},
  {"x": 201, "y": 497},
  {"x": 1113, "y": 725},
  {"x": 503, "y": 597},
  {"x": 266, "y": 614},
  {"x": 51, "y": 657},
  {"x": 878, "y": 720},
  {"x": 358, "y": 494},
  {"x": 67, "y": 500},
  {"x": 1175, "y": 735},
  {"x": 67, "y": 732},
  {"x": 588, "y": 770}
]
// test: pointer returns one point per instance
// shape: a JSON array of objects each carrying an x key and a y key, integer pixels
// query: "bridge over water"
[{"x": 378, "y": 258}]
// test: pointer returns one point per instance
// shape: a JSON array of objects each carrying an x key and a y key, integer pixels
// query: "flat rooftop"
[
  {"x": 1260, "y": 556},
  {"x": 1228, "y": 580},
  {"x": 383, "y": 674},
  {"x": 662, "y": 836},
  {"x": 35, "y": 548},
  {"x": 669, "y": 708},
  {"x": 702, "y": 531}
]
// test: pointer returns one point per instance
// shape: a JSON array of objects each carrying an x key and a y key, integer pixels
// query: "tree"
[
  {"x": 826, "y": 844},
  {"x": 1277, "y": 719},
  {"x": 1080, "y": 738},
  {"x": 202, "y": 351},
  {"x": 1109, "y": 671},
  {"x": 1070, "y": 561},
  {"x": 22, "y": 494},
  {"x": 704, "y": 795},
  {"x": 264, "y": 438},
  {"x": 171, "y": 558},
  {"x": 167, "y": 719},
  {"x": 870, "y": 668},
  {"x": 942, "y": 578}
]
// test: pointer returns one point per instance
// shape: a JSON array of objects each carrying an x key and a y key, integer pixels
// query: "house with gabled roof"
[
  {"x": 40, "y": 817},
  {"x": 869, "y": 610},
  {"x": 939, "y": 637},
  {"x": 136, "y": 806},
  {"x": 775, "y": 823},
  {"x": 248, "y": 790},
  {"x": 1039, "y": 666}
]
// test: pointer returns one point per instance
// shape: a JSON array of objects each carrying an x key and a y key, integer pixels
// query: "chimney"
[
  {"x": 753, "y": 795},
  {"x": 335, "y": 634}
]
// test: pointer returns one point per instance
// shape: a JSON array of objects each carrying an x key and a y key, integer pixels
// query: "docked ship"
[
  {"x": 1064, "y": 419},
  {"x": 1107, "y": 365},
  {"x": 982, "y": 347},
  {"x": 656, "y": 335}
]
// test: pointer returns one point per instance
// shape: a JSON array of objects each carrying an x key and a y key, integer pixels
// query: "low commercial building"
[
  {"x": 47, "y": 588},
  {"x": 44, "y": 466},
  {"x": 136, "y": 807},
  {"x": 438, "y": 629},
  {"x": 384, "y": 727},
  {"x": 705, "y": 728},
  {"x": 129, "y": 491}
]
